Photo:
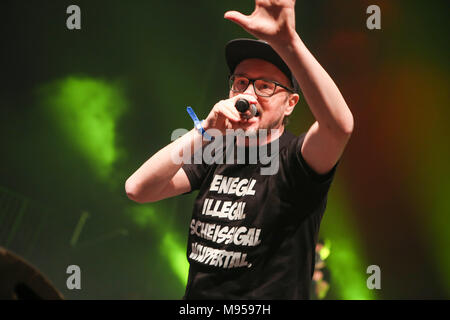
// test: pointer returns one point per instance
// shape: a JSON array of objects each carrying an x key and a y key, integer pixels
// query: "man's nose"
[{"x": 250, "y": 90}]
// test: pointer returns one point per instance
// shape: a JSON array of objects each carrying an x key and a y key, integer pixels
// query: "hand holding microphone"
[{"x": 229, "y": 113}]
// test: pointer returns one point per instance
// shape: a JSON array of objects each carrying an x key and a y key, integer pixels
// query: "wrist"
[
  {"x": 199, "y": 127},
  {"x": 290, "y": 40},
  {"x": 198, "y": 124}
]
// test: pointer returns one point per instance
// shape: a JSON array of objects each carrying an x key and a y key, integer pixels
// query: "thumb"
[{"x": 238, "y": 18}]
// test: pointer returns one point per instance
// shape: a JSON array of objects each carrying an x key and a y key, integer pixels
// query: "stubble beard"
[{"x": 261, "y": 133}]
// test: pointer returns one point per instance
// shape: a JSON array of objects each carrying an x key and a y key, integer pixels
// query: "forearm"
[
  {"x": 321, "y": 93},
  {"x": 156, "y": 172}
]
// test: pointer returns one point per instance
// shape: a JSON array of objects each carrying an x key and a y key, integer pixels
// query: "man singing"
[{"x": 253, "y": 235}]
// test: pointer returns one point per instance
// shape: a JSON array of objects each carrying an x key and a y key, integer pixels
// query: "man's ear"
[{"x": 293, "y": 99}]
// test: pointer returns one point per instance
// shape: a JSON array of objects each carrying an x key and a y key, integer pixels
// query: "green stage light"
[
  {"x": 325, "y": 251},
  {"x": 176, "y": 254},
  {"x": 171, "y": 247},
  {"x": 345, "y": 261},
  {"x": 87, "y": 110}
]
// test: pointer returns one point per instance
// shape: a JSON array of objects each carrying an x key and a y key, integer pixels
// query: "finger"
[
  {"x": 238, "y": 18},
  {"x": 230, "y": 114},
  {"x": 236, "y": 114},
  {"x": 230, "y": 105}
]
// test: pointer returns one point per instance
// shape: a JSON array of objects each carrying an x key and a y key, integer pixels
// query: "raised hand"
[{"x": 272, "y": 20}]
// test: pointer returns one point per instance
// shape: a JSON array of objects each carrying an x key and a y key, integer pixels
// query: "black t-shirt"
[{"x": 253, "y": 236}]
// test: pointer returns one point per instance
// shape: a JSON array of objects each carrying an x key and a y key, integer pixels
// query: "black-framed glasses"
[{"x": 262, "y": 87}]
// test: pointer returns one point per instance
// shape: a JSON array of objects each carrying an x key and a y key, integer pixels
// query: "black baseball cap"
[{"x": 238, "y": 50}]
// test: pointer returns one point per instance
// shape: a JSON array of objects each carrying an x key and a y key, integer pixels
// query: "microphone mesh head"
[
  {"x": 242, "y": 105},
  {"x": 253, "y": 109}
]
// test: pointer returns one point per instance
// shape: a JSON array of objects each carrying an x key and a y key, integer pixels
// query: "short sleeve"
[
  {"x": 299, "y": 174},
  {"x": 307, "y": 170},
  {"x": 304, "y": 188},
  {"x": 196, "y": 172}
]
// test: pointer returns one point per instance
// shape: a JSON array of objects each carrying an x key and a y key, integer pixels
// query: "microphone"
[{"x": 242, "y": 105}]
